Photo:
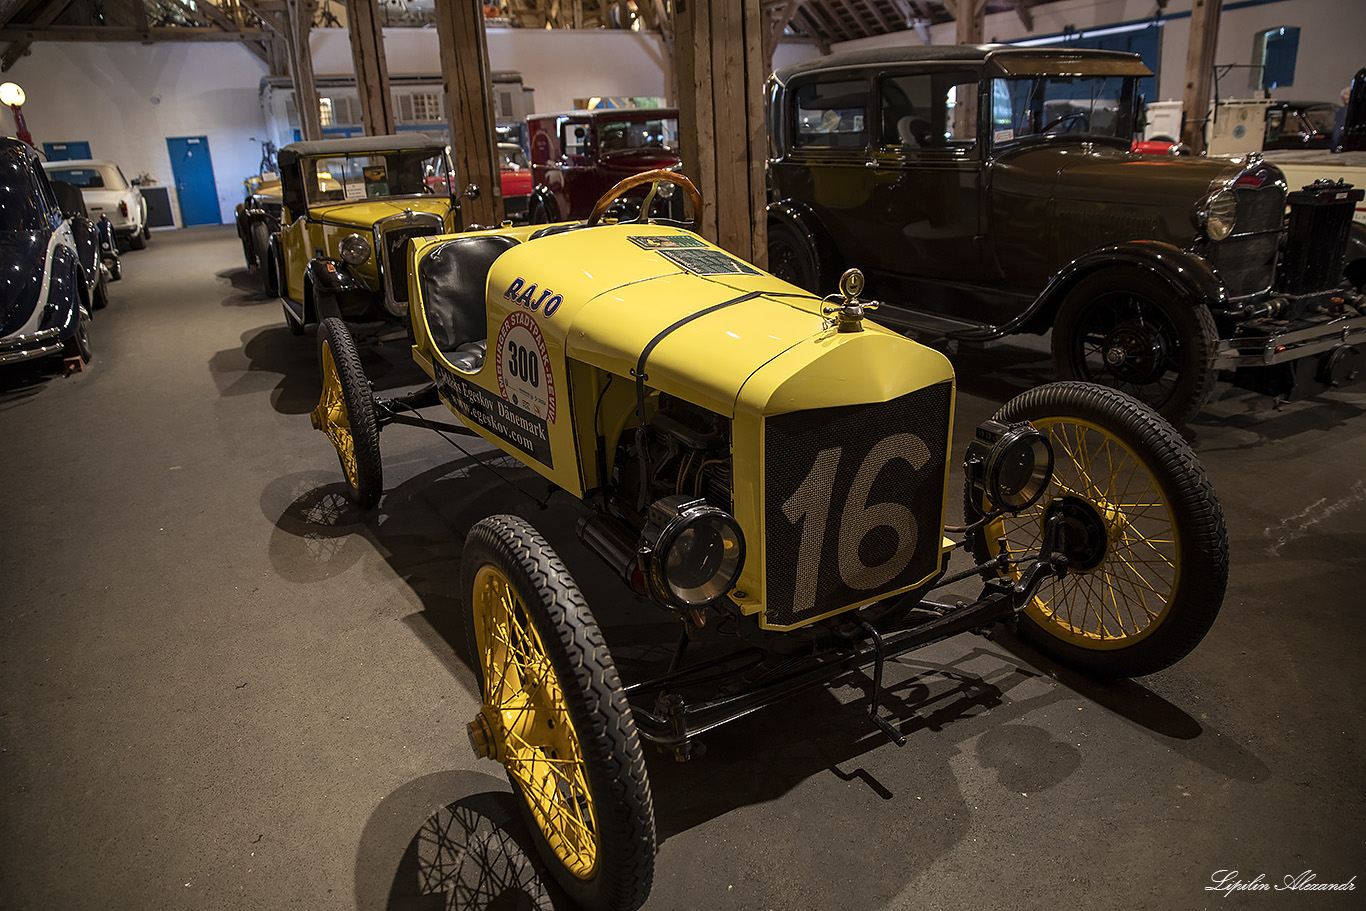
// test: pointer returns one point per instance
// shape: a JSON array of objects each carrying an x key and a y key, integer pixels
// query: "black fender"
[
  {"x": 331, "y": 277},
  {"x": 802, "y": 219},
  {"x": 1189, "y": 276},
  {"x": 1354, "y": 267},
  {"x": 66, "y": 293},
  {"x": 272, "y": 264},
  {"x": 546, "y": 197}
]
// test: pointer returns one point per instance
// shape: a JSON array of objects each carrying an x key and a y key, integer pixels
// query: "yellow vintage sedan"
[
  {"x": 350, "y": 207},
  {"x": 770, "y": 469}
]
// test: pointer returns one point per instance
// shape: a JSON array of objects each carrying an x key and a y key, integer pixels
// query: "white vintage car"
[{"x": 107, "y": 192}]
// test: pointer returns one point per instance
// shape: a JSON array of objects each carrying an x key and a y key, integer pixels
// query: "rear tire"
[
  {"x": 79, "y": 343},
  {"x": 555, "y": 716},
  {"x": 346, "y": 413},
  {"x": 1144, "y": 533},
  {"x": 260, "y": 243},
  {"x": 100, "y": 299},
  {"x": 138, "y": 240}
]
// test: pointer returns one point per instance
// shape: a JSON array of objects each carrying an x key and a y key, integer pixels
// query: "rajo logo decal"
[{"x": 546, "y": 301}]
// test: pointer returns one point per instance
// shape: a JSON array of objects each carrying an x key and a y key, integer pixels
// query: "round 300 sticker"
[{"x": 524, "y": 375}]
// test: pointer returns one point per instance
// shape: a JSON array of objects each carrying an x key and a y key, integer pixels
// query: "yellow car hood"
[{"x": 708, "y": 320}]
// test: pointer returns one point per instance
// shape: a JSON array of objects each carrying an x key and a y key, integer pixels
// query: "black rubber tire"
[
  {"x": 1200, "y": 574},
  {"x": 260, "y": 244},
  {"x": 275, "y": 283},
  {"x": 613, "y": 762},
  {"x": 1187, "y": 333},
  {"x": 137, "y": 240},
  {"x": 295, "y": 328},
  {"x": 100, "y": 299},
  {"x": 366, "y": 487},
  {"x": 791, "y": 258},
  {"x": 79, "y": 343},
  {"x": 538, "y": 214}
]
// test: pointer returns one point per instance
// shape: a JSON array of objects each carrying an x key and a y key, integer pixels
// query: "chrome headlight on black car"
[
  {"x": 692, "y": 553},
  {"x": 1218, "y": 214},
  {"x": 354, "y": 249}
]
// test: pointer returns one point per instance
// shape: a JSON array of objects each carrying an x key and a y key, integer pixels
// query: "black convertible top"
[
  {"x": 1002, "y": 55},
  {"x": 388, "y": 143}
]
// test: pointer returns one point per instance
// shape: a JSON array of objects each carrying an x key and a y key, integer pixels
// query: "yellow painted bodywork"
[
  {"x": 769, "y": 354},
  {"x": 320, "y": 232}
]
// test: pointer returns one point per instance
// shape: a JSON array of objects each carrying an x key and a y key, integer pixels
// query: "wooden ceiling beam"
[
  {"x": 69, "y": 33},
  {"x": 19, "y": 47}
]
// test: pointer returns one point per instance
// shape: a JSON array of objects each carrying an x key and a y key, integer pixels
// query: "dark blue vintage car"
[{"x": 51, "y": 276}]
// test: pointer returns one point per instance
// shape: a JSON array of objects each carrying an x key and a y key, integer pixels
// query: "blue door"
[
  {"x": 194, "y": 183},
  {"x": 66, "y": 151}
]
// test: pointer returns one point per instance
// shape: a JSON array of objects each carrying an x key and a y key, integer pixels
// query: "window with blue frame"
[{"x": 1274, "y": 53}]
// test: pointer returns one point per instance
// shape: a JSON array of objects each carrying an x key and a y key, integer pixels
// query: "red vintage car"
[
  {"x": 576, "y": 156},
  {"x": 514, "y": 178}
]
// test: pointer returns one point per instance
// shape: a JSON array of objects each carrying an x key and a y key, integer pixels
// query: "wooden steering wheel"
[{"x": 644, "y": 177}]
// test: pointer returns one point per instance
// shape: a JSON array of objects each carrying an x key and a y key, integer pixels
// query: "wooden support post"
[
  {"x": 1195, "y": 101},
  {"x": 299, "y": 22},
  {"x": 372, "y": 72},
  {"x": 719, "y": 56},
  {"x": 469, "y": 110}
]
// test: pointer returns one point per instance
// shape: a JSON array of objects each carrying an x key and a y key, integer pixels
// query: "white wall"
[
  {"x": 1331, "y": 38},
  {"x": 125, "y": 99},
  {"x": 560, "y": 65}
]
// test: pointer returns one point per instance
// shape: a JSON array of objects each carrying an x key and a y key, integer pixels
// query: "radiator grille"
[
  {"x": 1247, "y": 260},
  {"x": 396, "y": 256},
  {"x": 854, "y": 498},
  {"x": 1316, "y": 239}
]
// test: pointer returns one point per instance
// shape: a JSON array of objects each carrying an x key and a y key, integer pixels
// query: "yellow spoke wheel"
[
  {"x": 346, "y": 413},
  {"x": 555, "y": 717},
  {"x": 1142, "y": 530}
]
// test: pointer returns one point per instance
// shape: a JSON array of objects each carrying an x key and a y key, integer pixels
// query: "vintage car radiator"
[
  {"x": 826, "y": 472},
  {"x": 1246, "y": 259},
  {"x": 1316, "y": 240}
]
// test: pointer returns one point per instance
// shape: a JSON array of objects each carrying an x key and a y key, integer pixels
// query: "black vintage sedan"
[
  {"x": 50, "y": 275},
  {"x": 988, "y": 191}
]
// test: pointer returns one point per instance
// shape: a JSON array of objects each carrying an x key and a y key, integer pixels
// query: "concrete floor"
[{"x": 220, "y": 687}]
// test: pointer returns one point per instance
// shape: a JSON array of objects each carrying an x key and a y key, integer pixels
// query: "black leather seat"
[{"x": 453, "y": 277}]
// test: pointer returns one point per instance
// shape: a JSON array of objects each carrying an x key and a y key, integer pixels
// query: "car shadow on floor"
[
  {"x": 248, "y": 288},
  {"x": 473, "y": 852},
  {"x": 965, "y": 694}
]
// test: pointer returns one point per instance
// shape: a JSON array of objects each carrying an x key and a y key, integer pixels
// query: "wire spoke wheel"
[
  {"x": 1139, "y": 523},
  {"x": 554, "y": 715},
  {"x": 346, "y": 413}
]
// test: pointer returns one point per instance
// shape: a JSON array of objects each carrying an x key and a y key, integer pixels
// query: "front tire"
[
  {"x": 554, "y": 715},
  {"x": 791, "y": 258},
  {"x": 100, "y": 299},
  {"x": 346, "y": 413},
  {"x": 1146, "y": 540},
  {"x": 1127, "y": 330}
]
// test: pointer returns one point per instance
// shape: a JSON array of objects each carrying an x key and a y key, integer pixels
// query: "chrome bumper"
[
  {"x": 26, "y": 347},
  {"x": 1282, "y": 348}
]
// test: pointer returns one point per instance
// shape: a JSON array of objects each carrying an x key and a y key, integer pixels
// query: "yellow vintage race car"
[{"x": 760, "y": 462}]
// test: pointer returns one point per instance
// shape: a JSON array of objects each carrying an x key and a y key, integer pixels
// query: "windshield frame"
[
  {"x": 357, "y": 187},
  {"x": 1019, "y": 107}
]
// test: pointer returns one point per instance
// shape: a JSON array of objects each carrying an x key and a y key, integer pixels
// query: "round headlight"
[
  {"x": 1010, "y": 463},
  {"x": 692, "y": 552},
  {"x": 354, "y": 249},
  {"x": 1221, "y": 214}
]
